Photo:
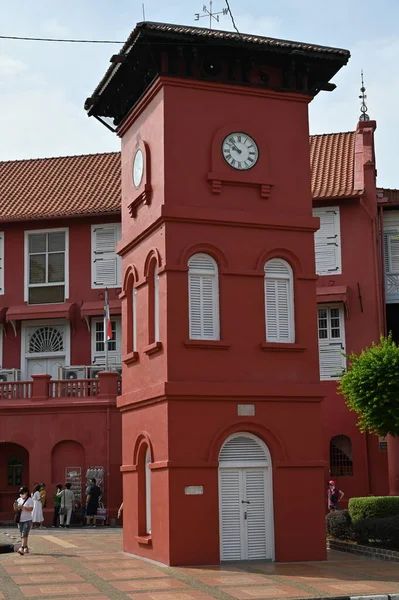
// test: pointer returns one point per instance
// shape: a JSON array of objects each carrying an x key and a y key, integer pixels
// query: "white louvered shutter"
[
  {"x": 148, "y": 491},
  {"x": 230, "y": 514},
  {"x": 328, "y": 241},
  {"x": 2, "y": 263},
  {"x": 331, "y": 342},
  {"x": 106, "y": 264},
  {"x": 203, "y": 298},
  {"x": 242, "y": 449},
  {"x": 279, "y": 302},
  {"x": 391, "y": 262},
  {"x": 255, "y": 483}
]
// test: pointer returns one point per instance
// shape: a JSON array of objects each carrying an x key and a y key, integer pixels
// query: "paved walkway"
[{"x": 90, "y": 565}]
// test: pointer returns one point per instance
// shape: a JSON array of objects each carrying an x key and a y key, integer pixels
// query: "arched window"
[
  {"x": 131, "y": 294},
  {"x": 341, "y": 461},
  {"x": 203, "y": 291},
  {"x": 279, "y": 301},
  {"x": 153, "y": 302},
  {"x": 148, "y": 491},
  {"x": 15, "y": 472}
]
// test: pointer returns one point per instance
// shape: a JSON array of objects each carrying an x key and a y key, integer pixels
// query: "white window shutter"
[
  {"x": 279, "y": 302},
  {"x": 332, "y": 363},
  {"x": 230, "y": 514},
  {"x": 203, "y": 298},
  {"x": 391, "y": 263},
  {"x": 1, "y": 263},
  {"x": 328, "y": 241},
  {"x": 148, "y": 491},
  {"x": 106, "y": 263}
]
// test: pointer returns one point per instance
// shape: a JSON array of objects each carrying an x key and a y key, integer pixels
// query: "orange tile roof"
[
  {"x": 67, "y": 185},
  {"x": 91, "y": 184},
  {"x": 332, "y": 161}
]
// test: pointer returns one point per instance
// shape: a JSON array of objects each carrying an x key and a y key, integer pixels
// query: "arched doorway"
[
  {"x": 14, "y": 472},
  {"x": 245, "y": 499}
]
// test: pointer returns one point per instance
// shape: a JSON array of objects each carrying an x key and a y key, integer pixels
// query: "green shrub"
[
  {"x": 384, "y": 530},
  {"x": 373, "y": 507},
  {"x": 339, "y": 525}
]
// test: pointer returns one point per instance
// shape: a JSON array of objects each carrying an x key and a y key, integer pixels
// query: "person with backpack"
[
  {"x": 23, "y": 508},
  {"x": 334, "y": 496}
]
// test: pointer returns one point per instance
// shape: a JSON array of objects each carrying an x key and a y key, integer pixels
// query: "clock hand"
[{"x": 235, "y": 148}]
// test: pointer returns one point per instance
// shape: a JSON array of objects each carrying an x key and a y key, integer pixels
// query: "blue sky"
[{"x": 43, "y": 86}]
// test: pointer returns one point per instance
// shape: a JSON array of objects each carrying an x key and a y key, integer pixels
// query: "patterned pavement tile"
[
  {"x": 190, "y": 595},
  {"x": 131, "y": 574},
  {"x": 236, "y": 579},
  {"x": 26, "y": 568},
  {"x": 113, "y": 564},
  {"x": 47, "y": 578},
  {"x": 33, "y": 591},
  {"x": 269, "y": 591},
  {"x": 82, "y": 598},
  {"x": 148, "y": 584},
  {"x": 356, "y": 587}
]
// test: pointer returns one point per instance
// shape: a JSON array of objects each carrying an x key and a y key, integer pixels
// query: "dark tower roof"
[{"x": 160, "y": 49}]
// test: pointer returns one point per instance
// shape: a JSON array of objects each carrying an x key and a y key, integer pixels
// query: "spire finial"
[{"x": 363, "y": 108}]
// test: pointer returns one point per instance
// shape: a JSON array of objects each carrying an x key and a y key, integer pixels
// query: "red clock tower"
[{"x": 221, "y": 404}]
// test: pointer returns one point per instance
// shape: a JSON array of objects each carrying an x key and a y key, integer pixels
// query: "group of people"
[{"x": 29, "y": 508}]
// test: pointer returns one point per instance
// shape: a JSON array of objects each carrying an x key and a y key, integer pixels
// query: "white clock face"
[
  {"x": 138, "y": 168},
  {"x": 240, "y": 151}
]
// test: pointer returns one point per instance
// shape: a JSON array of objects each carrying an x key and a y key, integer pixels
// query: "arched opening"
[
  {"x": 203, "y": 296},
  {"x": 14, "y": 472},
  {"x": 245, "y": 499},
  {"x": 68, "y": 464},
  {"x": 144, "y": 490},
  {"x": 341, "y": 459},
  {"x": 279, "y": 301},
  {"x": 153, "y": 302},
  {"x": 131, "y": 334}
]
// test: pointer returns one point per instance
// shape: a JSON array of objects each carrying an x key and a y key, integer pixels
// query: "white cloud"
[{"x": 11, "y": 67}]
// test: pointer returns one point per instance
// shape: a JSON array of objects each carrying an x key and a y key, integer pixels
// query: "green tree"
[{"x": 371, "y": 387}]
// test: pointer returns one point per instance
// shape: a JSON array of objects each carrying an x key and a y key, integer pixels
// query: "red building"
[
  {"x": 222, "y": 403},
  {"x": 60, "y": 222},
  {"x": 236, "y": 305}
]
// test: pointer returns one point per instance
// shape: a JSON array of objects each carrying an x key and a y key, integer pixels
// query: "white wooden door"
[
  {"x": 48, "y": 365},
  {"x": 243, "y": 514}
]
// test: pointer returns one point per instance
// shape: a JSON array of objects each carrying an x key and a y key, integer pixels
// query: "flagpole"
[{"x": 106, "y": 329}]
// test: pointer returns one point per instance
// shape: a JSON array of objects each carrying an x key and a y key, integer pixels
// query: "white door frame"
[
  {"x": 267, "y": 467},
  {"x": 25, "y": 356}
]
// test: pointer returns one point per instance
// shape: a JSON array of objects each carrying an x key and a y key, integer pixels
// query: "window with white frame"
[
  {"x": 156, "y": 304},
  {"x": 2, "y": 262},
  {"x": 98, "y": 343},
  {"x": 279, "y": 301},
  {"x": 328, "y": 241},
  {"x": 391, "y": 259},
  {"x": 203, "y": 291},
  {"x": 148, "y": 491},
  {"x": 106, "y": 265},
  {"x": 331, "y": 341},
  {"x": 134, "y": 319},
  {"x": 46, "y": 266}
]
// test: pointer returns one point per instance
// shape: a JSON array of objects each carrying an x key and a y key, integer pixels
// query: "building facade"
[
  {"x": 222, "y": 402},
  {"x": 60, "y": 224}
]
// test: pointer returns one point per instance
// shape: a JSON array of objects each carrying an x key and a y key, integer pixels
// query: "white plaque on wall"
[
  {"x": 246, "y": 410},
  {"x": 194, "y": 490}
]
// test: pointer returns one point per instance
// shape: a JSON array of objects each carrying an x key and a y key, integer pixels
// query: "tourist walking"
[
  {"x": 23, "y": 506},
  {"x": 37, "y": 515},
  {"x": 67, "y": 498},
  {"x": 92, "y": 500},
  {"x": 334, "y": 496},
  {"x": 57, "y": 504}
]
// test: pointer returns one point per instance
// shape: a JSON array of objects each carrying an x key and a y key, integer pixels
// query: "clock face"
[
  {"x": 240, "y": 151},
  {"x": 138, "y": 168}
]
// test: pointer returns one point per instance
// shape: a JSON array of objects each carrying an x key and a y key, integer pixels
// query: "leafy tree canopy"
[{"x": 371, "y": 387}]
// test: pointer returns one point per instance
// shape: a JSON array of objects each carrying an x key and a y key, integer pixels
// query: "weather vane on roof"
[
  {"x": 208, "y": 12},
  {"x": 363, "y": 108}
]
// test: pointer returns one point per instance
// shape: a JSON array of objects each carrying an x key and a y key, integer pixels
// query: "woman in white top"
[
  {"x": 24, "y": 506},
  {"x": 67, "y": 503},
  {"x": 37, "y": 514}
]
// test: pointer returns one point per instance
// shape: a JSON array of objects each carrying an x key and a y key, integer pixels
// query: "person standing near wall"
[
  {"x": 334, "y": 496},
  {"x": 67, "y": 498},
  {"x": 57, "y": 505},
  {"x": 92, "y": 500},
  {"x": 24, "y": 507},
  {"x": 37, "y": 515}
]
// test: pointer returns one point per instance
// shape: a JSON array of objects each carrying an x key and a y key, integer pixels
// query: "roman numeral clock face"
[{"x": 240, "y": 151}]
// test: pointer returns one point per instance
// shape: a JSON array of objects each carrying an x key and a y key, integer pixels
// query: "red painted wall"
[
  {"x": 79, "y": 282},
  {"x": 363, "y": 321},
  {"x": 182, "y": 400}
]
